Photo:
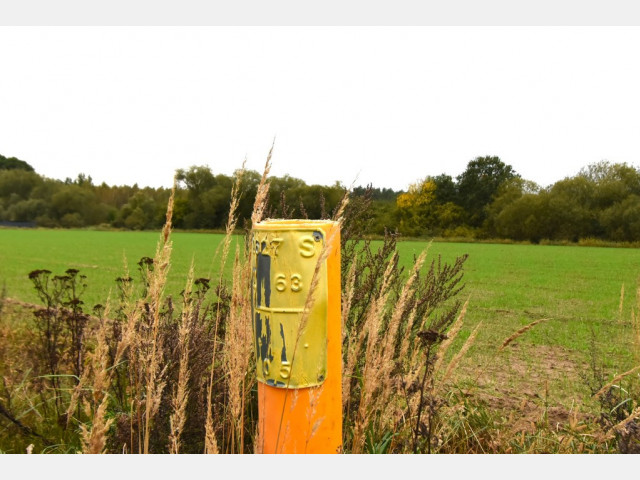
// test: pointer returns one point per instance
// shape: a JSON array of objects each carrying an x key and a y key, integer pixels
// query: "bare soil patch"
[{"x": 528, "y": 384}]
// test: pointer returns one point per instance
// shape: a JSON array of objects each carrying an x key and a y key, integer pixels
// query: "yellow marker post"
[{"x": 298, "y": 359}]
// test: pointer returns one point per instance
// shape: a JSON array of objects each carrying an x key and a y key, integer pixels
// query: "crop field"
[
  {"x": 508, "y": 286},
  {"x": 583, "y": 295},
  {"x": 101, "y": 256}
]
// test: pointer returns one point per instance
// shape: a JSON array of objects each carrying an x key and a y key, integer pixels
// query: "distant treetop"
[{"x": 12, "y": 163}]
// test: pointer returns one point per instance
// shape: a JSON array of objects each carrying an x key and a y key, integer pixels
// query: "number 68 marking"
[{"x": 295, "y": 282}]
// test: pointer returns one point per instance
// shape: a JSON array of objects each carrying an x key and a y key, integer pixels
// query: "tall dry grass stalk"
[
  {"x": 387, "y": 350},
  {"x": 262, "y": 194},
  {"x": 180, "y": 395},
  {"x": 458, "y": 356},
  {"x": 94, "y": 437},
  {"x": 377, "y": 376},
  {"x": 635, "y": 325},
  {"x": 97, "y": 379},
  {"x": 521, "y": 332},
  {"x": 396, "y": 333},
  {"x": 347, "y": 298},
  {"x": 313, "y": 285},
  {"x": 327, "y": 249},
  {"x": 314, "y": 398},
  {"x": 238, "y": 348},
  {"x": 369, "y": 332},
  {"x": 616, "y": 380},
  {"x": 451, "y": 336},
  {"x": 154, "y": 373},
  {"x": 222, "y": 250},
  {"x": 232, "y": 220},
  {"x": 632, "y": 416},
  {"x": 348, "y": 338},
  {"x": 415, "y": 363}
]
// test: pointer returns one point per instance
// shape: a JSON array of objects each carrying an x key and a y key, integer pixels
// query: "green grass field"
[
  {"x": 577, "y": 288},
  {"x": 508, "y": 286},
  {"x": 100, "y": 256}
]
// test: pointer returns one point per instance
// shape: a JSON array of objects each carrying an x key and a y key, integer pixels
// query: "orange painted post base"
[{"x": 299, "y": 370}]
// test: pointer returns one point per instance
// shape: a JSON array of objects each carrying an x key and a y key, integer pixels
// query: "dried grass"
[
  {"x": 632, "y": 416},
  {"x": 458, "y": 356},
  {"x": 180, "y": 396},
  {"x": 154, "y": 374},
  {"x": 521, "y": 332},
  {"x": 213, "y": 386},
  {"x": 616, "y": 380},
  {"x": 327, "y": 249},
  {"x": 451, "y": 336},
  {"x": 94, "y": 437},
  {"x": 211, "y": 445},
  {"x": 262, "y": 194},
  {"x": 238, "y": 348},
  {"x": 373, "y": 363}
]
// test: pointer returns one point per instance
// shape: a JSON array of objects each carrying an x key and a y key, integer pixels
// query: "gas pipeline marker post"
[{"x": 298, "y": 354}]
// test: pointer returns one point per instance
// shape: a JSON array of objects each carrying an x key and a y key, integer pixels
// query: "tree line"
[
  {"x": 488, "y": 200},
  {"x": 201, "y": 202}
]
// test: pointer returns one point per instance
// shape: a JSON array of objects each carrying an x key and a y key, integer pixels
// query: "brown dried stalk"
[
  {"x": 154, "y": 375},
  {"x": 347, "y": 369},
  {"x": 262, "y": 194},
  {"x": 451, "y": 336},
  {"x": 615, "y": 380},
  {"x": 635, "y": 323},
  {"x": 456, "y": 359},
  {"x": 327, "y": 249},
  {"x": 371, "y": 330},
  {"x": 314, "y": 398},
  {"x": 94, "y": 437},
  {"x": 632, "y": 416},
  {"x": 386, "y": 348},
  {"x": 180, "y": 395},
  {"x": 520, "y": 332},
  {"x": 238, "y": 348},
  {"x": 347, "y": 297},
  {"x": 211, "y": 445}
]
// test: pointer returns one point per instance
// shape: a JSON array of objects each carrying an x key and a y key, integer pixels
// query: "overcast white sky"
[{"x": 385, "y": 105}]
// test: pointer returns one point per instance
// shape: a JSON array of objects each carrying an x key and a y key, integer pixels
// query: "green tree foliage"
[
  {"x": 488, "y": 200},
  {"x": 507, "y": 194},
  {"x": 621, "y": 220},
  {"x": 202, "y": 200},
  {"x": 427, "y": 208},
  {"x": 599, "y": 202},
  {"x": 446, "y": 189},
  {"x": 416, "y": 208},
  {"x": 17, "y": 184},
  {"x": 73, "y": 206},
  {"x": 478, "y": 184},
  {"x": 207, "y": 198},
  {"x": 12, "y": 163},
  {"x": 377, "y": 211},
  {"x": 522, "y": 219},
  {"x": 139, "y": 212}
]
